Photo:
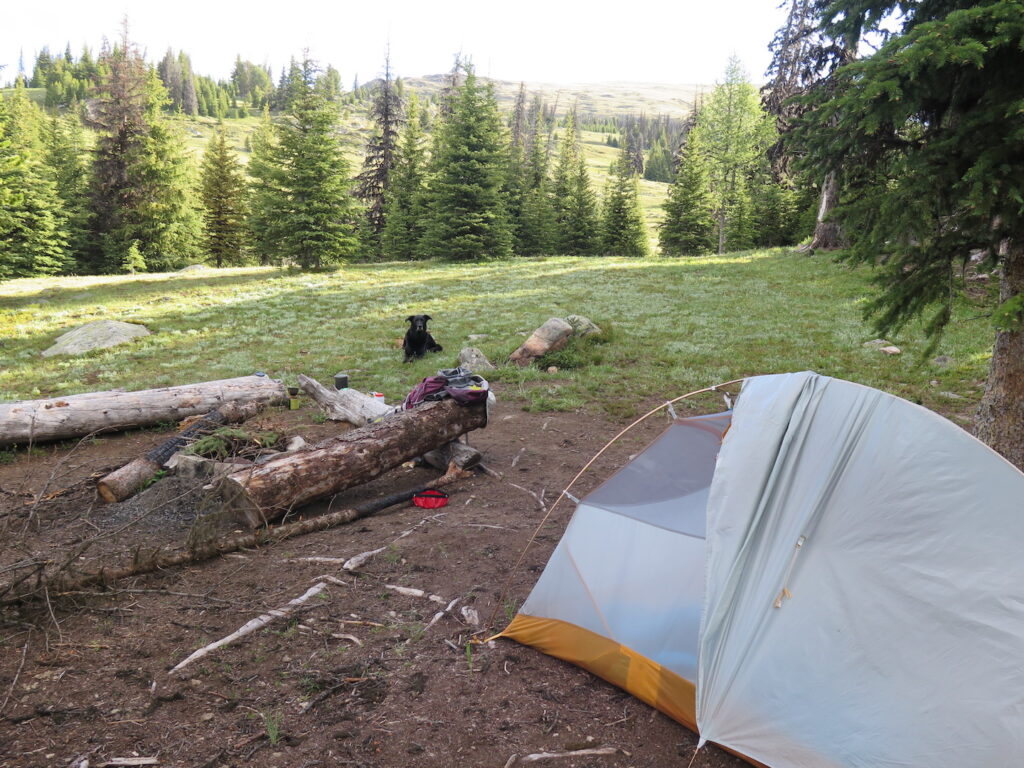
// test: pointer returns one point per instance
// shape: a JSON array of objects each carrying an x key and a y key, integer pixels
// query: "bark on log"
[
  {"x": 126, "y": 481},
  {"x": 460, "y": 454},
  {"x": 60, "y": 418},
  {"x": 37, "y": 583},
  {"x": 999, "y": 421},
  {"x": 267, "y": 491},
  {"x": 345, "y": 404}
]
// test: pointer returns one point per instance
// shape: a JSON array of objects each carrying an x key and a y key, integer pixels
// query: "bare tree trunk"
[
  {"x": 999, "y": 421},
  {"x": 826, "y": 231}
]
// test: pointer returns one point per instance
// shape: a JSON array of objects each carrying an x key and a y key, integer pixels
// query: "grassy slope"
[{"x": 677, "y": 325}]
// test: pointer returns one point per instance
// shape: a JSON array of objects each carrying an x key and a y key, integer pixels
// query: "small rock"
[
  {"x": 943, "y": 361},
  {"x": 207, "y": 716},
  {"x": 297, "y": 443},
  {"x": 876, "y": 343},
  {"x": 582, "y": 326},
  {"x": 952, "y": 395},
  {"x": 890, "y": 350},
  {"x": 552, "y": 369},
  {"x": 96, "y": 335},
  {"x": 477, "y": 336},
  {"x": 475, "y": 360}
]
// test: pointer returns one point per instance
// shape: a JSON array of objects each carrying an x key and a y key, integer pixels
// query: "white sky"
[{"x": 673, "y": 41}]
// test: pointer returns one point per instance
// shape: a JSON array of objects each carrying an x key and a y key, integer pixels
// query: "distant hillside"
[{"x": 611, "y": 98}]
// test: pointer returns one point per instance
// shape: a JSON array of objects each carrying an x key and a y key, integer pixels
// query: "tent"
[{"x": 827, "y": 575}]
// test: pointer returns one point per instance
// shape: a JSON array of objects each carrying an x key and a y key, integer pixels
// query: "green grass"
[{"x": 679, "y": 324}]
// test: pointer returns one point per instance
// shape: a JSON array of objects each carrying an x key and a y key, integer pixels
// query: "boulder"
[
  {"x": 890, "y": 350},
  {"x": 551, "y": 336},
  {"x": 582, "y": 326},
  {"x": 96, "y": 335},
  {"x": 474, "y": 359}
]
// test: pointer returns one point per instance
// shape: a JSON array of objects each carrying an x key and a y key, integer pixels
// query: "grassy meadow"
[{"x": 671, "y": 325}]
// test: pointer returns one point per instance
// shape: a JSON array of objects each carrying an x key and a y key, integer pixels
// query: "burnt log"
[{"x": 129, "y": 479}]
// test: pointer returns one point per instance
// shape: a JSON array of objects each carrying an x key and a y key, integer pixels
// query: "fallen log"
[
  {"x": 266, "y": 492},
  {"x": 348, "y": 405},
  {"x": 60, "y": 418},
  {"x": 38, "y": 583},
  {"x": 358, "y": 410},
  {"x": 129, "y": 479}
]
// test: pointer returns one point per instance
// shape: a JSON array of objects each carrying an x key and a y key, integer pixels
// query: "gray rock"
[
  {"x": 582, "y": 326},
  {"x": 477, "y": 336},
  {"x": 475, "y": 360},
  {"x": 890, "y": 350},
  {"x": 96, "y": 335},
  {"x": 876, "y": 343}
]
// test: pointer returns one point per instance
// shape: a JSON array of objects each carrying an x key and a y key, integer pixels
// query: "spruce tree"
[
  {"x": 65, "y": 160},
  {"x": 302, "y": 178},
  {"x": 622, "y": 223},
  {"x": 32, "y": 238},
  {"x": 403, "y": 225},
  {"x": 142, "y": 179},
  {"x": 926, "y": 133},
  {"x": 373, "y": 184},
  {"x": 689, "y": 224},
  {"x": 467, "y": 218},
  {"x": 536, "y": 232},
  {"x": 223, "y": 191},
  {"x": 575, "y": 203}
]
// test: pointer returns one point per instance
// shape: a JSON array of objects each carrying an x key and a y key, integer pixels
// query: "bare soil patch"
[{"x": 354, "y": 679}]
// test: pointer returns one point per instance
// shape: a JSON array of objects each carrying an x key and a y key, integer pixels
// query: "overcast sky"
[{"x": 682, "y": 41}]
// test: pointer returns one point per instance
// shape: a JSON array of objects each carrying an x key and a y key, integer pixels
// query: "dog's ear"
[
  {"x": 427, "y": 317},
  {"x": 409, "y": 318}
]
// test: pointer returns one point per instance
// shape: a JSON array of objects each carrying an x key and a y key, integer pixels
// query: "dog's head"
[{"x": 417, "y": 322}]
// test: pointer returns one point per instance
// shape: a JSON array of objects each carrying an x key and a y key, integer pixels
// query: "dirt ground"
[{"x": 353, "y": 679}]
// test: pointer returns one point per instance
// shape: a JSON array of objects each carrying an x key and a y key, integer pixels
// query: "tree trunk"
[
  {"x": 826, "y": 231},
  {"x": 999, "y": 421},
  {"x": 126, "y": 481},
  {"x": 60, "y": 418},
  {"x": 345, "y": 404},
  {"x": 265, "y": 492}
]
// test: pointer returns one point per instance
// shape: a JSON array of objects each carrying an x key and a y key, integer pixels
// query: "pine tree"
[
  {"x": 622, "y": 223},
  {"x": 374, "y": 182},
  {"x": 302, "y": 178},
  {"x": 574, "y": 199},
  {"x": 660, "y": 165},
  {"x": 32, "y": 238},
  {"x": 403, "y": 226},
  {"x": 689, "y": 225},
  {"x": 535, "y": 228},
  {"x": 467, "y": 218},
  {"x": 223, "y": 194},
  {"x": 142, "y": 180},
  {"x": 733, "y": 131}
]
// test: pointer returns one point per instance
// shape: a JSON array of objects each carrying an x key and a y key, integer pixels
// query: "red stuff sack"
[{"x": 430, "y": 499}]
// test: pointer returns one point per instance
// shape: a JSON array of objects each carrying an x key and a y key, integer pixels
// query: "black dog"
[{"x": 418, "y": 340}]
